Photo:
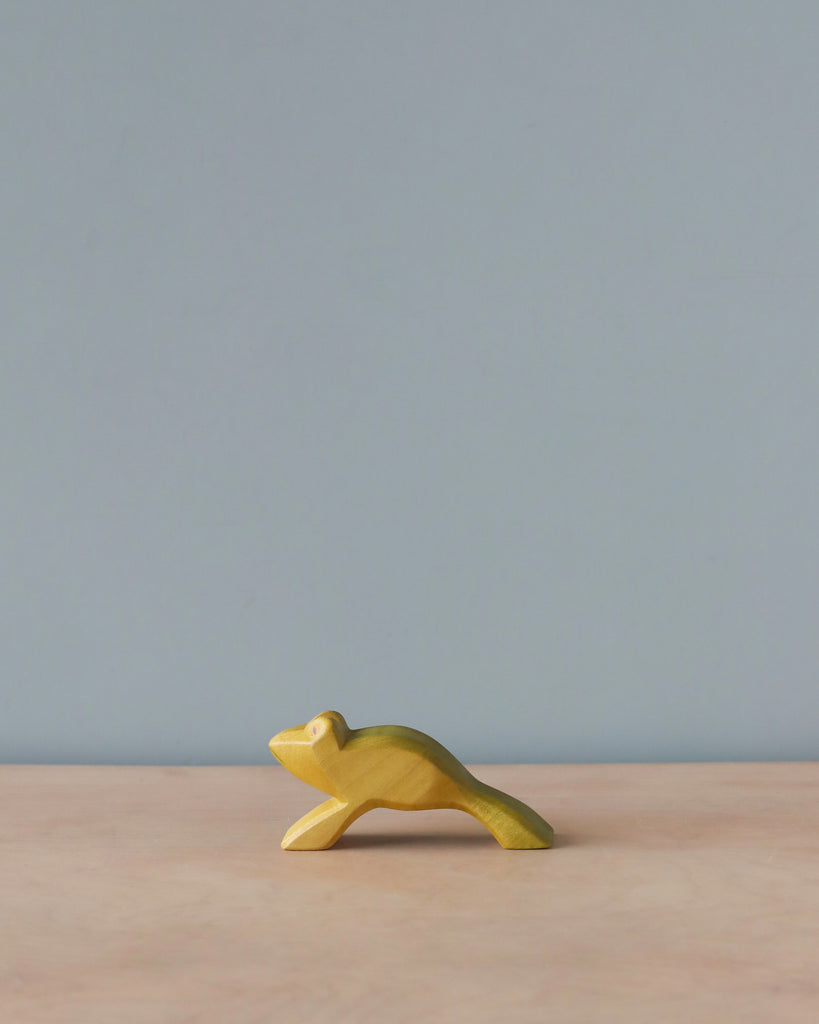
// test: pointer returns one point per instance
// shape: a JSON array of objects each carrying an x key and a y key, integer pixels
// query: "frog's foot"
[{"x": 321, "y": 827}]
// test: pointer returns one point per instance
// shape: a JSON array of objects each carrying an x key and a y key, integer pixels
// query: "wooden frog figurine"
[{"x": 391, "y": 766}]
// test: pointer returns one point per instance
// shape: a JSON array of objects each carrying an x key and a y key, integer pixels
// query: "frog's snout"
[{"x": 290, "y": 747}]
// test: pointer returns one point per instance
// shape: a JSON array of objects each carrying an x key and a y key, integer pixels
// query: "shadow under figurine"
[{"x": 391, "y": 766}]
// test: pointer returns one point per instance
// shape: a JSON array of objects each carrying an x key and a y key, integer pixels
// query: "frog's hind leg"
[
  {"x": 514, "y": 824},
  {"x": 322, "y": 826}
]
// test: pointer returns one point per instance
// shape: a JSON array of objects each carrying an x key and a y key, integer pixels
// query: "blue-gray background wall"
[{"x": 452, "y": 364}]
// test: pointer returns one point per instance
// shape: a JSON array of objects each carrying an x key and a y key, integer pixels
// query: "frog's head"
[{"x": 304, "y": 749}]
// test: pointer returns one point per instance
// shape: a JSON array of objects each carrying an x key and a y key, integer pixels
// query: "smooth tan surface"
[{"x": 673, "y": 893}]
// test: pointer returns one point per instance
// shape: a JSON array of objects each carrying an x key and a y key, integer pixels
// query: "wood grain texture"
[
  {"x": 395, "y": 767},
  {"x": 674, "y": 893}
]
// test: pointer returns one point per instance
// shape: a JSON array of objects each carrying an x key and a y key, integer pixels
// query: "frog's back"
[{"x": 405, "y": 768}]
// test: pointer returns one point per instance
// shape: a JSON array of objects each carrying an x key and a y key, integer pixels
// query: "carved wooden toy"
[{"x": 391, "y": 766}]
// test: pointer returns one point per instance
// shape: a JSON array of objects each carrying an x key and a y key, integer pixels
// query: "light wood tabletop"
[{"x": 673, "y": 893}]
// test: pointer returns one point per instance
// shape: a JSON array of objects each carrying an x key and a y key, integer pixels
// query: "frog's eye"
[{"x": 315, "y": 730}]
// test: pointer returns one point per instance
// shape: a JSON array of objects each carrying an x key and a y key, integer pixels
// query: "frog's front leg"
[{"x": 322, "y": 826}]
